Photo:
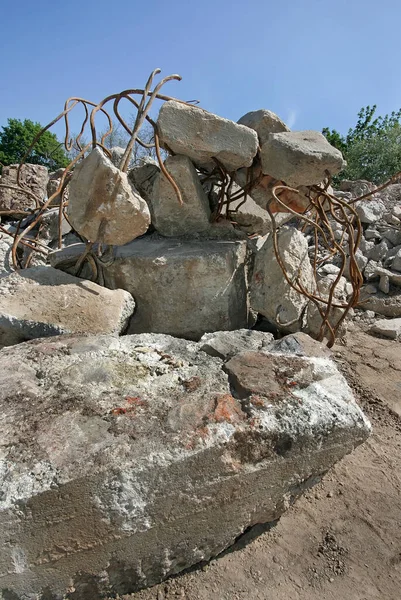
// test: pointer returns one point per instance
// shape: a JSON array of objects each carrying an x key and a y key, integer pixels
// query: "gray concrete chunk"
[
  {"x": 201, "y": 135},
  {"x": 183, "y": 288},
  {"x": 103, "y": 205},
  {"x": 264, "y": 122},
  {"x": 169, "y": 217},
  {"x": 271, "y": 294},
  {"x": 300, "y": 157},
  {"x": 390, "y": 328},
  {"x": 127, "y": 460},
  {"x": 42, "y": 302},
  {"x": 226, "y": 344}
]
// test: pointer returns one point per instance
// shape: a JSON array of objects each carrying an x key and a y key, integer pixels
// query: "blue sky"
[{"x": 313, "y": 62}]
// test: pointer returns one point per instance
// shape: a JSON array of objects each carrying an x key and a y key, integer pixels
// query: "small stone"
[
  {"x": 396, "y": 264},
  {"x": 384, "y": 284},
  {"x": 372, "y": 234},
  {"x": 226, "y": 344},
  {"x": 379, "y": 251}
]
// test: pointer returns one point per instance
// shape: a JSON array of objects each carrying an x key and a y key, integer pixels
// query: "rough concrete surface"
[
  {"x": 169, "y": 217},
  {"x": 6, "y": 244},
  {"x": 42, "y": 301},
  {"x": 34, "y": 178},
  {"x": 126, "y": 460},
  {"x": 181, "y": 287},
  {"x": 103, "y": 206},
  {"x": 264, "y": 122},
  {"x": 202, "y": 136},
  {"x": 300, "y": 157},
  {"x": 271, "y": 294},
  {"x": 342, "y": 539}
]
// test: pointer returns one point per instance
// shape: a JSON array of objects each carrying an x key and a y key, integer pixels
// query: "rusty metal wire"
[{"x": 91, "y": 109}]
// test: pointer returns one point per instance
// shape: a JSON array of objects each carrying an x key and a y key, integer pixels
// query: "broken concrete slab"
[
  {"x": 390, "y": 328},
  {"x": 103, "y": 205},
  {"x": 300, "y": 157},
  {"x": 202, "y": 136},
  {"x": 42, "y": 302},
  {"x": 169, "y": 217},
  {"x": 264, "y": 122},
  {"x": 226, "y": 344},
  {"x": 126, "y": 460},
  {"x": 271, "y": 294},
  {"x": 181, "y": 287},
  {"x": 33, "y": 178}
]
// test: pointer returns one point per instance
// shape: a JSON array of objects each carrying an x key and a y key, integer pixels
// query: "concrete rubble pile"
[
  {"x": 149, "y": 416},
  {"x": 188, "y": 271},
  {"x": 378, "y": 257}
]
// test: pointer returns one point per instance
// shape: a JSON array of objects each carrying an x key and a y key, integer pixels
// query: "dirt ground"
[{"x": 341, "y": 541}]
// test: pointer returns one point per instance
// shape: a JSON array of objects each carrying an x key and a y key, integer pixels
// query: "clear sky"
[{"x": 313, "y": 62}]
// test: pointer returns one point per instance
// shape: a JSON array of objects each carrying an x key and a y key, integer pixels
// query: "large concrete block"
[
  {"x": 271, "y": 294},
  {"x": 126, "y": 460},
  {"x": 42, "y": 302},
  {"x": 201, "y": 135},
  {"x": 103, "y": 206},
  {"x": 169, "y": 217},
  {"x": 33, "y": 177},
  {"x": 183, "y": 288},
  {"x": 300, "y": 157}
]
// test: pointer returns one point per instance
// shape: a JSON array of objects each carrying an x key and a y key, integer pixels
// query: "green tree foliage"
[
  {"x": 17, "y": 136},
  {"x": 372, "y": 148}
]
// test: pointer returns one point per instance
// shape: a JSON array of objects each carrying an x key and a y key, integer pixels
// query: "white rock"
[
  {"x": 226, "y": 344},
  {"x": 396, "y": 265},
  {"x": 379, "y": 251},
  {"x": 390, "y": 328},
  {"x": 300, "y": 157},
  {"x": 370, "y": 211},
  {"x": 103, "y": 205},
  {"x": 201, "y": 136}
]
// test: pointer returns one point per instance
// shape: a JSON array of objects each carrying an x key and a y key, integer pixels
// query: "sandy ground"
[{"x": 341, "y": 541}]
